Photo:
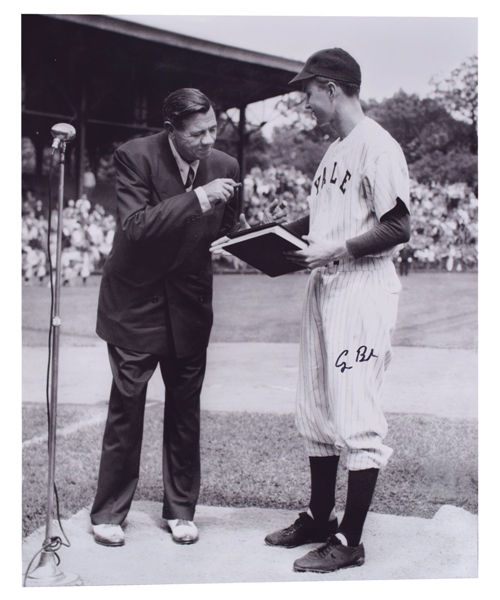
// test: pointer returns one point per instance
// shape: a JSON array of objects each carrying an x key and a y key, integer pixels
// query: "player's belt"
[
  {"x": 332, "y": 267},
  {"x": 367, "y": 263}
]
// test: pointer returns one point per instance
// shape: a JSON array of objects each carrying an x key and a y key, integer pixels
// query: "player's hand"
[
  {"x": 319, "y": 253},
  {"x": 276, "y": 212},
  {"x": 220, "y": 189},
  {"x": 243, "y": 222},
  {"x": 216, "y": 246}
]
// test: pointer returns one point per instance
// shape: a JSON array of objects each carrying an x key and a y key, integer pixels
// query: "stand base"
[{"x": 48, "y": 574}]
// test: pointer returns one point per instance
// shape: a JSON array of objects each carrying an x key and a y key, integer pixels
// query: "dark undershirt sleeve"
[
  {"x": 393, "y": 229},
  {"x": 299, "y": 227}
]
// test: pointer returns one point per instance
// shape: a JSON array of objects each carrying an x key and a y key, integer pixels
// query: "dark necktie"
[{"x": 189, "y": 179}]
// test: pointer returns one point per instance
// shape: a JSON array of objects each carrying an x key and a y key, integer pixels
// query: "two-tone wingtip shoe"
[
  {"x": 108, "y": 534},
  {"x": 183, "y": 531}
]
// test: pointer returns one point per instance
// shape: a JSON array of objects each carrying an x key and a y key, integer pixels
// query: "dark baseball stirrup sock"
[
  {"x": 323, "y": 480},
  {"x": 360, "y": 488}
]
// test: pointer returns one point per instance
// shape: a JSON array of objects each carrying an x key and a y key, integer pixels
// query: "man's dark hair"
[
  {"x": 351, "y": 90},
  {"x": 182, "y": 103}
]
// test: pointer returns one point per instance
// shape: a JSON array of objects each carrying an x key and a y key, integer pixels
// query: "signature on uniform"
[{"x": 361, "y": 355}]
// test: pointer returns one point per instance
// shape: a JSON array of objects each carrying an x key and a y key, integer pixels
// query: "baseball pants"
[{"x": 347, "y": 322}]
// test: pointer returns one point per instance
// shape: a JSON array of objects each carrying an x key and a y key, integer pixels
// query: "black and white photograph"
[{"x": 247, "y": 310}]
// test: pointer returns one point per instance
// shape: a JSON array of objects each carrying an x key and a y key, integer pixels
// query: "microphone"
[{"x": 62, "y": 132}]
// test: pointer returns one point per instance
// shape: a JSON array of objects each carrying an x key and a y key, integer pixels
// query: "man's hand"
[
  {"x": 220, "y": 190},
  {"x": 318, "y": 253},
  {"x": 216, "y": 248},
  {"x": 276, "y": 212}
]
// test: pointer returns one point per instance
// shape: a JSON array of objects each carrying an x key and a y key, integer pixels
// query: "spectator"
[{"x": 405, "y": 259}]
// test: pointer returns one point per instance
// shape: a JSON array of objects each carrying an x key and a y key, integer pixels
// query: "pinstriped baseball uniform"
[{"x": 351, "y": 307}]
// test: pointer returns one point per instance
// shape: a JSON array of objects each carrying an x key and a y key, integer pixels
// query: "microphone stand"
[{"x": 47, "y": 573}]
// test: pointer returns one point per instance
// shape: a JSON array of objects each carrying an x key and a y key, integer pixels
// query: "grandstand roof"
[
  {"x": 117, "y": 58},
  {"x": 109, "y": 77}
]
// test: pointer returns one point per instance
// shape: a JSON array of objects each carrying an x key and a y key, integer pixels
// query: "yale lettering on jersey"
[
  {"x": 321, "y": 180},
  {"x": 347, "y": 176}
]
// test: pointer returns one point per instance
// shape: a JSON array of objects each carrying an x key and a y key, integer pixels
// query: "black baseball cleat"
[
  {"x": 330, "y": 557},
  {"x": 305, "y": 530}
]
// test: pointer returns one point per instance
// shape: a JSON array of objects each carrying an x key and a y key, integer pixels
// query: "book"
[{"x": 263, "y": 248}]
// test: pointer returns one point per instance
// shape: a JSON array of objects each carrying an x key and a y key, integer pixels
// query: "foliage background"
[{"x": 438, "y": 134}]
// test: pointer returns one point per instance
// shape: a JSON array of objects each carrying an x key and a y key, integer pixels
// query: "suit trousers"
[{"x": 121, "y": 447}]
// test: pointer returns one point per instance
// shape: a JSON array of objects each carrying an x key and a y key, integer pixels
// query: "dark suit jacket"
[{"x": 156, "y": 289}]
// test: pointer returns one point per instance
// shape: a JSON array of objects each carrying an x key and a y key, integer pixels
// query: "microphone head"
[{"x": 63, "y": 132}]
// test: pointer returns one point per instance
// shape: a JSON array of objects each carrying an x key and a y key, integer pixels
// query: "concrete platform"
[{"x": 231, "y": 549}]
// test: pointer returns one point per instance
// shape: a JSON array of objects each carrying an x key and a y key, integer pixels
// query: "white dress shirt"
[{"x": 184, "y": 170}]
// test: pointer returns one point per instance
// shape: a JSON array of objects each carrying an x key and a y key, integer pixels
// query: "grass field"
[
  {"x": 436, "y": 310},
  {"x": 258, "y": 460}
]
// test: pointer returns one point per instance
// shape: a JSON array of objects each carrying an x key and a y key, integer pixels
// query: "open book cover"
[{"x": 263, "y": 248}]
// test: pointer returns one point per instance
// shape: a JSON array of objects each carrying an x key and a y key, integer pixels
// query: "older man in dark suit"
[{"x": 175, "y": 195}]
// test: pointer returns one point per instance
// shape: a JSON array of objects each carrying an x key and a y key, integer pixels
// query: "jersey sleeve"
[{"x": 386, "y": 180}]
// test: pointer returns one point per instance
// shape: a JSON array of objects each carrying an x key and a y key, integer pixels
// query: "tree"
[
  {"x": 419, "y": 125},
  {"x": 458, "y": 94},
  {"x": 457, "y": 166},
  {"x": 298, "y": 142},
  {"x": 300, "y": 148},
  {"x": 437, "y": 146},
  {"x": 256, "y": 145}
]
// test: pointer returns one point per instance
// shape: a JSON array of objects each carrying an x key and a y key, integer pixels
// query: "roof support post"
[
  {"x": 241, "y": 156},
  {"x": 82, "y": 141}
]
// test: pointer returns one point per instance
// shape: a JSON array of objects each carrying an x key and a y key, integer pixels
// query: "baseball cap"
[{"x": 333, "y": 62}]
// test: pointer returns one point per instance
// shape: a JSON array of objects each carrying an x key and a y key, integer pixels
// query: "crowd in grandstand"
[
  {"x": 87, "y": 235},
  {"x": 444, "y": 227}
]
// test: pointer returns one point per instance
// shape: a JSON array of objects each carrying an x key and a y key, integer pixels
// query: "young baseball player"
[{"x": 359, "y": 213}]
